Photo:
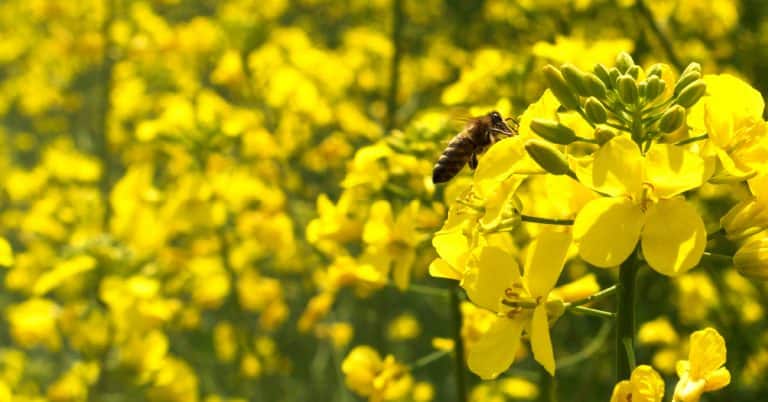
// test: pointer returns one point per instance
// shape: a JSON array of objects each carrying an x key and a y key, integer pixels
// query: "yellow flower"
[
  {"x": 520, "y": 302},
  {"x": 703, "y": 371},
  {"x": 644, "y": 385},
  {"x": 643, "y": 204},
  {"x": 368, "y": 375},
  {"x": 392, "y": 240},
  {"x": 6, "y": 253},
  {"x": 33, "y": 322}
]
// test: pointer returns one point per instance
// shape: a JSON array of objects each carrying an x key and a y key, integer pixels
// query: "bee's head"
[{"x": 498, "y": 123}]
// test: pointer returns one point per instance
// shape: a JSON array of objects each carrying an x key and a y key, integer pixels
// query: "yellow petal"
[
  {"x": 541, "y": 344},
  {"x": 717, "y": 379},
  {"x": 401, "y": 273},
  {"x": 674, "y": 237},
  {"x": 707, "y": 352},
  {"x": 673, "y": 170},
  {"x": 622, "y": 392},
  {"x": 452, "y": 246},
  {"x": 502, "y": 160},
  {"x": 6, "y": 253},
  {"x": 378, "y": 228},
  {"x": 441, "y": 269},
  {"x": 493, "y": 270},
  {"x": 607, "y": 230},
  {"x": 647, "y": 385},
  {"x": 545, "y": 260},
  {"x": 496, "y": 349},
  {"x": 615, "y": 169}
]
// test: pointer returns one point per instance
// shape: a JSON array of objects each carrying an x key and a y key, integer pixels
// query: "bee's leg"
[{"x": 473, "y": 161}]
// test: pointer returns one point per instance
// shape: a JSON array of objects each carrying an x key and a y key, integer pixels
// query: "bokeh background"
[{"x": 216, "y": 200}]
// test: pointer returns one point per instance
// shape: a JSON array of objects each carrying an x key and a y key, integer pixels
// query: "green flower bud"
[
  {"x": 549, "y": 158},
  {"x": 634, "y": 72},
  {"x": 595, "y": 110},
  {"x": 691, "y": 94},
  {"x": 559, "y": 88},
  {"x": 672, "y": 119},
  {"x": 553, "y": 131},
  {"x": 744, "y": 219},
  {"x": 595, "y": 86},
  {"x": 627, "y": 87},
  {"x": 613, "y": 75},
  {"x": 654, "y": 87},
  {"x": 641, "y": 88},
  {"x": 685, "y": 80},
  {"x": 693, "y": 66},
  {"x": 624, "y": 62},
  {"x": 655, "y": 70},
  {"x": 602, "y": 73},
  {"x": 751, "y": 260},
  {"x": 604, "y": 134},
  {"x": 575, "y": 78}
]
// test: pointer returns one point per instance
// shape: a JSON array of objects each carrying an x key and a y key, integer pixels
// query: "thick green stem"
[
  {"x": 625, "y": 318},
  {"x": 394, "y": 72},
  {"x": 458, "y": 345}
]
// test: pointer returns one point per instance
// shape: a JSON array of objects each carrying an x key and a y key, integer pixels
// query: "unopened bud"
[
  {"x": 672, "y": 119},
  {"x": 641, "y": 89},
  {"x": 555, "y": 309},
  {"x": 602, "y": 73},
  {"x": 691, "y": 94},
  {"x": 745, "y": 219},
  {"x": 751, "y": 260},
  {"x": 654, "y": 87},
  {"x": 655, "y": 70},
  {"x": 575, "y": 78},
  {"x": 627, "y": 87},
  {"x": 559, "y": 88},
  {"x": 685, "y": 80},
  {"x": 595, "y": 86},
  {"x": 633, "y": 72},
  {"x": 595, "y": 110},
  {"x": 624, "y": 62},
  {"x": 613, "y": 75},
  {"x": 604, "y": 134},
  {"x": 553, "y": 131},
  {"x": 693, "y": 66},
  {"x": 549, "y": 158}
]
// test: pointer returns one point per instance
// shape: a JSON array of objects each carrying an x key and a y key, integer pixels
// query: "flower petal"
[
  {"x": 496, "y": 349},
  {"x": 378, "y": 228},
  {"x": 452, "y": 246},
  {"x": 502, "y": 160},
  {"x": 607, "y": 230},
  {"x": 707, "y": 352},
  {"x": 545, "y": 260},
  {"x": 541, "y": 344},
  {"x": 674, "y": 237},
  {"x": 441, "y": 269},
  {"x": 672, "y": 170},
  {"x": 615, "y": 169},
  {"x": 492, "y": 270}
]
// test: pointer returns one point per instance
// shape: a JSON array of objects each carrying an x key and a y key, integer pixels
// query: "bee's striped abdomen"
[{"x": 456, "y": 155}]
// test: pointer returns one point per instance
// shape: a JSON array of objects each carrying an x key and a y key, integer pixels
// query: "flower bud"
[
  {"x": 691, "y": 94},
  {"x": 633, "y": 72},
  {"x": 613, "y": 75},
  {"x": 672, "y": 119},
  {"x": 685, "y": 80},
  {"x": 744, "y": 219},
  {"x": 575, "y": 78},
  {"x": 627, "y": 87},
  {"x": 751, "y": 260},
  {"x": 624, "y": 62},
  {"x": 693, "y": 66},
  {"x": 641, "y": 89},
  {"x": 655, "y": 70},
  {"x": 595, "y": 110},
  {"x": 549, "y": 158},
  {"x": 604, "y": 134},
  {"x": 602, "y": 73},
  {"x": 559, "y": 88},
  {"x": 555, "y": 309},
  {"x": 654, "y": 87},
  {"x": 595, "y": 86},
  {"x": 553, "y": 131}
]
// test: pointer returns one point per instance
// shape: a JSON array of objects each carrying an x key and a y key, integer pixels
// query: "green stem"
[
  {"x": 625, "y": 318},
  {"x": 666, "y": 43},
  {"x": 718, "y": 259},
  {"x": 594, "y": 297},
  {"x": 592, "y": 311},
  {"x": 394, "y": 68},
  {"x": 693, "y": 139},
  {"x": 428, "y": 359},
  {"x": 458, "y": 347},
  {"x": 546, "y": 221},
  {"x": 425, "y": 290}
]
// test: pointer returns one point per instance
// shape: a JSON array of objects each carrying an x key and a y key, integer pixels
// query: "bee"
[{"x": 479, "y": 134}]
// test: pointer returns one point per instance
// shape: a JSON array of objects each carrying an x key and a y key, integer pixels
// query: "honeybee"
[{"x": 479, "y": 134}]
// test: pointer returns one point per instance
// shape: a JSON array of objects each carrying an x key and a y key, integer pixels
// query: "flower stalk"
[
  {"x": 625, "y": 318},
  {"x": 458, "y": 345}
]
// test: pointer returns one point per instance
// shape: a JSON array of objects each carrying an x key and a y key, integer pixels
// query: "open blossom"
[
  {"x": 643, "y": 203},
  {"x": 703, "y": 371}
]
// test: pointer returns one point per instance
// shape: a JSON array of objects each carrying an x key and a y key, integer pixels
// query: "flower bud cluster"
[{"x": 623, "y": 98}]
